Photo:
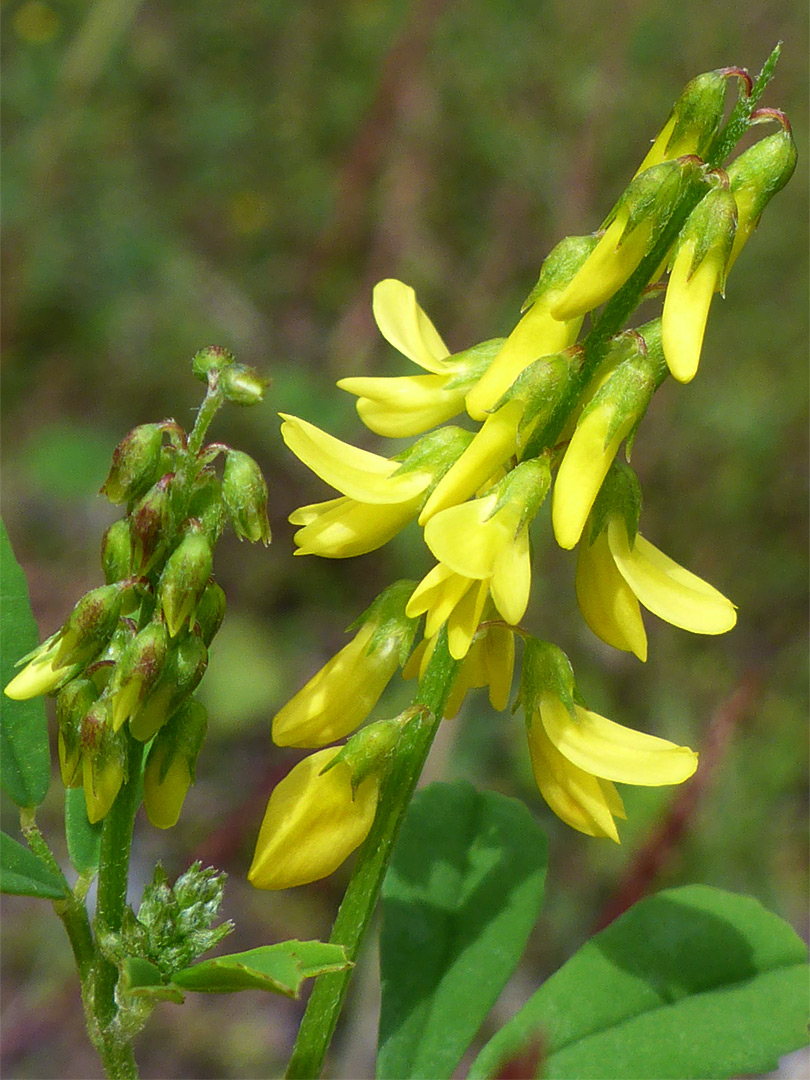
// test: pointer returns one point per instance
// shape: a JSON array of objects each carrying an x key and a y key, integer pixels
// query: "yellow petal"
[
  {"x": 686, "y": 309},
  {"x": 342, "y": 528},
  {"x": 163, "y": 797},
  {"x": 339, "y": 697},
  {"x": 404, "y": 325},
  {"x": 437, "y": 594},
  {"x": 498, "y": 657},
  {"x": 608, "y": 604},
  {"x": 605, "y": 270},
  {"x": 465, "y": 619},
  {"x": 511, "y": 579},
  {"x": 667, "y": 589},
  {"x": 575, "y": 796},
  {"x": 357, "y": 473},
  {"x": 312, "y": 823},
  {"x": 582, "y": 470},
  {"x": 612, "y": 752},
  {"x": 537, "y": 334},
  {"x": 400, "y": 407},
  {"x": 37, "y": 677},
  {"x": 468, "y": 540},
  {"x": 493, "y": 445}
]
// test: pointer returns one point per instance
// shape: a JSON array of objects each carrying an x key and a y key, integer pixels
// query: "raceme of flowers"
[{"x": 498, "y": 426}]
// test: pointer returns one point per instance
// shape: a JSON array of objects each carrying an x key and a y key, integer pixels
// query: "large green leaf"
[
  {"x": 24, "y": 874},
  {"x": 83, "y": 839},
  {"x": 460, "y": 899},
  {"x": 25, "y": 763},
  {"x": 694, "y": 982},
  {"x": 280, "y": 968}
]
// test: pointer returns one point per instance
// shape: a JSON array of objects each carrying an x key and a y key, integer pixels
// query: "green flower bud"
[
  {"x": 134, "y": 464},
  {"x": 137, "y": 671},
  {"x": 170, "y": 765},
  {"x": 103, "y": 760},
  {"x": 242, "y": 385},
  {"x": 368, "y": 752},
  {"x": 211, "y": 358},
  {"x": 184, "y": 579},
  {"x": 206, "y": 504},
  {"x": 244, "y": 493},
  {"x": 185, "y": 666},
  {"x": 72, "y": 705},
  {"x": 116, "y": 552},
  {"x": 148, "y": 523},
  {"x": 210, "y": 612},
  {"x": 694, "y": 120},
  {"x": 89, "y": 626}
]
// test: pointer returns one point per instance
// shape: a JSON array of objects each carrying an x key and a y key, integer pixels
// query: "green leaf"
[
  {"x": 279, "y": 968},
  {"x": 24, "y": 874},
  {"x": 460, "y": 899},
  {"x": 694, "y": 982},
  {"x": 83, "y": 839},
  {"x": 143, "y": 979},
  {"x": 25, "y": 761}
]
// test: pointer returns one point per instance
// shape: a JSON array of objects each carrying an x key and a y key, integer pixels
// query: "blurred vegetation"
[{"x": 186, "y": 174}]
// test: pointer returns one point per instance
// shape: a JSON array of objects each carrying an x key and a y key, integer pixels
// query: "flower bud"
[
  {"x": 72, "y": 705},
  {"x": 211, "y": 358},
  {"x": 137, "y": 671},
  {"x": 134, "y": 464},
  {"x": 244, "y": 493},
  {"x": 638, "y": 217},
  {"x": 242, "y": 385},
  {"x": 183, "y": 579},
  {"x": 41, "y": 673},
  {"x": 205, "y": 505},
  {"x": 89, "y": 626},
  {"x": 103, "y": 760},
  {"x": 694, "y": 121},
  {"x": 341, "y": 695},
  {"x": 756, "y": 176},
  {"x": 313, "y": 822},
  {"x": 148, "y": 524},
  {"x": 210, "y": 611},
  {"x": 116, "y": 552},
  {"x": 185, "y": 665},
  {"x": 170, "y": 764},
  {"x": 698, "y": 271}
]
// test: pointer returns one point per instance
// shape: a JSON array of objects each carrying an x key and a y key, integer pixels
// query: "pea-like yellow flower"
[
  {"x": 698, "y": 272},
  {"x": 40, "y": 675},
  {"x": 446, "y": 597},
  {"x": 411, "y": 404},
  {"x": 613, "y": 576},
  {"x": 339, "y": 697},
  {"x": 694, "y": 120},
  {"x": 342, "y": 528},
  {"x": 577, "y": 755},
  {"x": 313, "y": 822}
]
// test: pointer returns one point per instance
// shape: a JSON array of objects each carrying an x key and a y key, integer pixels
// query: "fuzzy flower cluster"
[
  {"x": 496, "y": 428},
  {"x": 130, "y": 655}
]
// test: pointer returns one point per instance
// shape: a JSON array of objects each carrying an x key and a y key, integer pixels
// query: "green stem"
[
  {"x": 113, "y": 877},
  {"x": 206, "y": 413},
  {"x": 360, "y": 900}
]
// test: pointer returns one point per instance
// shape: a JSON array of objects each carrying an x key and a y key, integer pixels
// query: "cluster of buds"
[
  {"x": 551, "y": 415},
  {"x": 127, "y": 660}
]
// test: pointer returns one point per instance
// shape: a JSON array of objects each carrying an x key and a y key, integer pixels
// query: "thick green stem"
[
  {"x": 354, "y": 916},
  {"x": 116, "y": 842}
]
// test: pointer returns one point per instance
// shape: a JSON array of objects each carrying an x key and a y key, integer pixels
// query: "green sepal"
[
  {"x": 22, "y": 873},
  {"x": 279, "y": 969},
  {"x": 560, "y": 266},
  {"x": 434, "y": 452},
  {"x": 764, "y": 169},
  {"x": 621, "y": 495},
  {"x": 388, "y": 611},
  {"x": 472, "y": 362},
  {"x": 527, "y": 484},
  {"x": 700, "y": 107},
  {"x": 545, "y": 670}
]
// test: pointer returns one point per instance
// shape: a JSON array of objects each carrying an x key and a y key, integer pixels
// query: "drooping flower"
[
  {"x": 614, "y": 576},
  {"x": 577, "y": 755},
  {"x": 339, "y": 697},
  {"x": 444, "y": 596},
  {"x": 313, "y": 822}
]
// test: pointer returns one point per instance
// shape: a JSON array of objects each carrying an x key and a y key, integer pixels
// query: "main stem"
[
  {"x": 116, "y": 843},
  {"x": 354, "y": 916}
]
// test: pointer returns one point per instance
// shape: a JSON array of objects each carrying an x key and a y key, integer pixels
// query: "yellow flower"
[
  {"x": 312, "y": 823},
  {"x": 342, "y": 528},
  {"x": 613, "y": 577},
  {"x": 39, "y": 676},
  {"x": 577, "y": 755},
  {"x": 445, "y": 596},
  {"x": 339, "y": 697},
  {"x": 698, "y": 272},
  {"x": 694, "y": 119},
  {"x": 411, "y": 404}
]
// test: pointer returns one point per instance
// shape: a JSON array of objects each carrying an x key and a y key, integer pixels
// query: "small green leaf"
[
  {"x": 279, "y": 968},
  {"x": 694, "y": 982},
  {"x": 25, "y": 761},
  {"x": 462, "y": 894},
  {"x": 24, "y": 874},
  {"x": 83, "y": 839},
  {"x": 143, "y": 979}
]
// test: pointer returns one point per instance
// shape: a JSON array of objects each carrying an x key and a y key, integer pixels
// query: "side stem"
[{"x": 360, "y": 900}]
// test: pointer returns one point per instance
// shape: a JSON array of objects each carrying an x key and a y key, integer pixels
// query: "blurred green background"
[{"x": 241, "y": 174}]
